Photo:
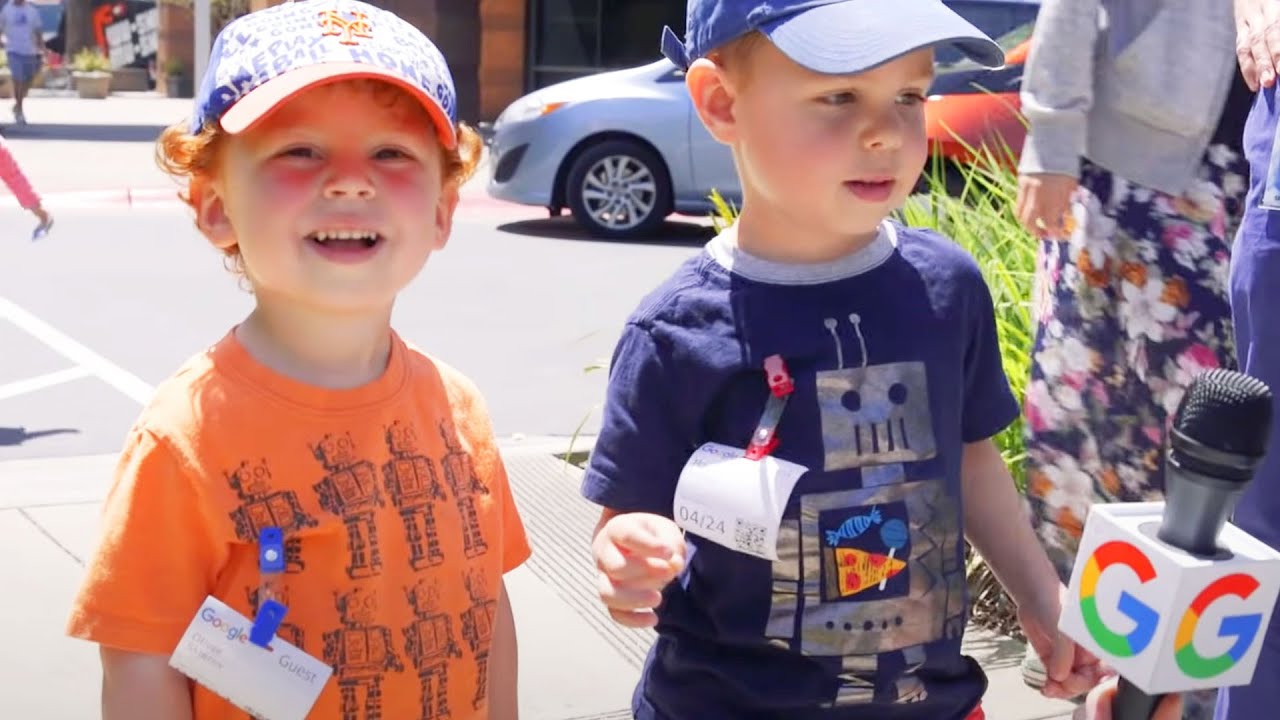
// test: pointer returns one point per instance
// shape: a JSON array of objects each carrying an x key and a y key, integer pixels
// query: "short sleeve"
[
  {"x": 474, "y": 416},
  {"x": 155, "y": 562},
  {"x": 644, "y": 438},
  {"x": 989, "y": 404}
]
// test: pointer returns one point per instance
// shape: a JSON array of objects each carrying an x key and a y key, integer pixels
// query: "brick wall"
[{"x": 485, "y": 45}]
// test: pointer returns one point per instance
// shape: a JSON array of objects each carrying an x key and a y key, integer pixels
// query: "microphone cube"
[{"x": 1166, "y": 620}]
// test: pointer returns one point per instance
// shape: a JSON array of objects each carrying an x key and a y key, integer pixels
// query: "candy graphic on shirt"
[
  {"x": 350, "y": 491},
  {"x": 892, "y": 588},
  {"x": 262, "y": 507},
  {"x": 414, "y": 488},
  {"x": 430, "y": 644},
  {"x": 873, "y": 414},
  {"x": 361, "y": 653},
  {"x": 467, "y": 489},
  {"x": 477, "y": 630},
  {"x": 287, "y": 630}
]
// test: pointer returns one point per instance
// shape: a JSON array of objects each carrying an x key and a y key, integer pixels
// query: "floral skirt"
[{"x": 1128, "y": 308}]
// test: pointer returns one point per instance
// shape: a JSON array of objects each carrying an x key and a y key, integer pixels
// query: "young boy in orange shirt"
[{"x": 325, "y": 159}]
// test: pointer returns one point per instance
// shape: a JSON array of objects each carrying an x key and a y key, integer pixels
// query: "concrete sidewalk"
[{"x": 574, "y": 662}]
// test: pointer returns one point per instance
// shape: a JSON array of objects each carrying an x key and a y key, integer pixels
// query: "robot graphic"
[
  {"x": 291, "y": 633},
  {"x": 261, "y": 507},
  {"x": 360, "y": 653},
  {"x": 350, "y": 491},
  {"x": 412, "y": 483},
  {"x": 875, "y": 572},
  {"x": 477, "y": 630},
  {"x": 464, "y": 483},
  {"x": 429, "y": 643}
]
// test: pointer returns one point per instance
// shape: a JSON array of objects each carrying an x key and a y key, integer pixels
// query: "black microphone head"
[{"x": 1224, "y": 417}]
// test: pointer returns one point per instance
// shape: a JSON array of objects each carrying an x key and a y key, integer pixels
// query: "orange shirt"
[{"x": 397, "y": 517}]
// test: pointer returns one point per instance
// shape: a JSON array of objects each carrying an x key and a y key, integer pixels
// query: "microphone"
[{"x": 1172, "y": 595}]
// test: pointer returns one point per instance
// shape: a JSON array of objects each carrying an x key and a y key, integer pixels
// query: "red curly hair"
[{"x": 194, "y": 158}]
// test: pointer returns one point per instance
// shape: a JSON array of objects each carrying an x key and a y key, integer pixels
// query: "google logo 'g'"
[{"x": 1243, "y": 628}]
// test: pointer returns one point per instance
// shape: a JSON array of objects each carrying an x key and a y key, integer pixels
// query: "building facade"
[{"x": 501, "y": 49}]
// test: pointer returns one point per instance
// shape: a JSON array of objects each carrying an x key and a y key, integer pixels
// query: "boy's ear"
[
  {"x": 445, "y": 208},
  {"x": 713, "y": 96},
  {"x": 211, "y": 214}
]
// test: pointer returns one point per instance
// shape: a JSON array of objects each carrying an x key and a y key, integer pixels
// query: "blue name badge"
[{"x": 278, "y": 682}]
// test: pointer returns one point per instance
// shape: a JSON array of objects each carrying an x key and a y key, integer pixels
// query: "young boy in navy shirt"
[{"x": 813, "y": 398}]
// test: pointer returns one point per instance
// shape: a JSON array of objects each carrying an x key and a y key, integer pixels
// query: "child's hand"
[
  {"x": 1098, "y": 705},
  {"x": 638, "y": 554},
  {"x": 1071, "y": 669}
]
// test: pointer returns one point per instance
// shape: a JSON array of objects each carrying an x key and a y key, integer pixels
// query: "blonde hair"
[
  {"x": 194, "y": 158},
  {"x": 735, "y": 55}
]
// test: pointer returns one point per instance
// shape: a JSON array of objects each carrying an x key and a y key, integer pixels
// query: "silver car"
[{"x": 621, "y": 150}]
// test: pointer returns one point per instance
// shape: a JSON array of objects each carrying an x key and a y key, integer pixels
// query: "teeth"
[{"x": 326, "y": 236}]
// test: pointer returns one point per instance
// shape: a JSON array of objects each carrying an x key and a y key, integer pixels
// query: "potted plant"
[
  {"x": 6, "y": 77},
  {"x": 175, "y": 78},
  {"x": 92, "y": 73}
]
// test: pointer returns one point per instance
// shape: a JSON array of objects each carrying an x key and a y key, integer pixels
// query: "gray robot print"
[{"x": 873, "y": 414}]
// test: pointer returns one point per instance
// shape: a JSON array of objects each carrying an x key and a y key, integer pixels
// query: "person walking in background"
[
  {"x": 17, "y": 182},
  {"x": 23, "y": 44},
  {"x": 1131, "y": 174}
]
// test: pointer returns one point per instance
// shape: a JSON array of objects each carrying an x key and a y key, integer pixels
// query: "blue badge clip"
[
  {"x": 270, "y": 615},
  {"x": 271, "y": 550}
]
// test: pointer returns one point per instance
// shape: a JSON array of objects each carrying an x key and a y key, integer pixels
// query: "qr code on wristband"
[{"x": 749, "y": 537}]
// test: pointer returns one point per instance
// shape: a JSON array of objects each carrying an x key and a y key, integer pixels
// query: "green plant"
[
  {"x": 973, "y": 204},
  {"x": 173, "y": 66},
  {"x": 90, "y": 60}
]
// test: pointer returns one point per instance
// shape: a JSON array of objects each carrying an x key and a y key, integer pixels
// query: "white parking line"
[
  {"x": 40, "y": 382},
  {"x": 93, "y": 363}
]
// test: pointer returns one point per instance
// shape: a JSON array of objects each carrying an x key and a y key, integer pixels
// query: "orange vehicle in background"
[{"x": 971, "y": 107}]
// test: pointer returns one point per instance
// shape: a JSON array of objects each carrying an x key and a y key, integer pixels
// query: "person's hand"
[
  {"x": 1071, "y": 669},
  {"x": 638, "y": 554},
  {"x": 1099, "y": 704},
  {"x": 1258, "y": 41},
  {"x": 1044, "y": 199}
]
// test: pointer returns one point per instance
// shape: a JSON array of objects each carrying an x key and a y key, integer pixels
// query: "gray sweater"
[{"x": 1136, "y": 86}]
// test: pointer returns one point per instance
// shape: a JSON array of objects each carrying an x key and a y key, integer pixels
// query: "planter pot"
[
  {"x": 93, "y": 85},
  {"x": 6, "y": 84},
  {"x": 177, "y": 86}
]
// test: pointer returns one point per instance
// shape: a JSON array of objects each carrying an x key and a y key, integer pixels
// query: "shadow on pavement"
[
  {"x": 994, "y": 652},
  {"x": 10, "y": 437},
  {"x": 87, "y": 133},
  {"x": 672, "y": 232}
]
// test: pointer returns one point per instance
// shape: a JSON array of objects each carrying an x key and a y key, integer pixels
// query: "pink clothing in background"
[{"x": 12, "y": 176}]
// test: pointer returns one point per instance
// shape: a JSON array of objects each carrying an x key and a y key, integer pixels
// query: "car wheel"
[{"x": 619, "y": 189}]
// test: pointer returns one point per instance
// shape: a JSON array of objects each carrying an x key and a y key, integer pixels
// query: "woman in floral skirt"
[{"x": 1132, "y": 174}]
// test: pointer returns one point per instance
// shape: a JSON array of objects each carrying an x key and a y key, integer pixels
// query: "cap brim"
[
  {"x": 856, "y": 35},
  {"x": 259, "y": 102}
]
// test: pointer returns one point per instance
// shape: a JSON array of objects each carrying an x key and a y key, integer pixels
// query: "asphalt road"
[{"x": 115, "y": 299}]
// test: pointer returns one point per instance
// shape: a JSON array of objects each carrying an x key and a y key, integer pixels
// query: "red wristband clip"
[{"x": 765, "y": 438}]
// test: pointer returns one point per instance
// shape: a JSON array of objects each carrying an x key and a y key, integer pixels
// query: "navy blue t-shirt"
[{"x": 894, "y": 357}]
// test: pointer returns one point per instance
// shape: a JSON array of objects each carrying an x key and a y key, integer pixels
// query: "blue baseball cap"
[
  {"x": 264, "y": 58},
  {"x": 830, "y": 36}
]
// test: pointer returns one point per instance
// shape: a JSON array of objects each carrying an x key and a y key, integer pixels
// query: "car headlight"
[{"x": 527, "y": 108}]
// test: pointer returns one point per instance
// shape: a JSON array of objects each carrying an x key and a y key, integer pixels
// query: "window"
[{"x": 572, "y": 38}]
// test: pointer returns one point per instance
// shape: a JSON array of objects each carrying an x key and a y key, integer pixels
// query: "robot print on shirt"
[
  {"x": 477, "y": 630},
  {"x": 262, "y": 507},
  {"x": 871, "y": 574},
  {"x": 360, "y": 654},
  {"x": 350, "y": 491},
  {"x": 430, "y": 644},
  {"x": 414, "y": 488},
  {"x": 291, "y": 633},
  {"x": 467, "y": 488}
]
